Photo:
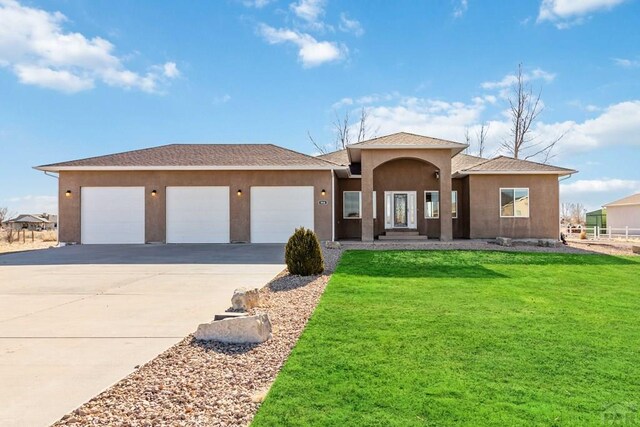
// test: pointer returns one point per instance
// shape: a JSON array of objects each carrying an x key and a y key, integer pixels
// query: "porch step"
[
  {"x": 403, "y": 236},
  {"x": 401, "y": 233}
]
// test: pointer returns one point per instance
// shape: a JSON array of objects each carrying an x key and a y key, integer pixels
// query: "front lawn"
[{"x": 404, "y": 338}]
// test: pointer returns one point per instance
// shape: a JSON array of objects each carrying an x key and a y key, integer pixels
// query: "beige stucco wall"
[
  {"x": 155, "y": 208},
  {"x": 484, "y": 203},
  {"x": 373, "y": 159},
  {"x": 623, "y": 216}
]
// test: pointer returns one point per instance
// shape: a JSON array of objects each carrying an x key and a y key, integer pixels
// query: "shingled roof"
[
  {"x": 177, "y": 156},
  {"x": 340, "y": 157},
  {"x": 504, "y": 164},
  {"x": 406, "y": 139}
]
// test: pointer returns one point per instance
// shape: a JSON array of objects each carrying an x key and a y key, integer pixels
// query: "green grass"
[{"x": 413, "y": 338}]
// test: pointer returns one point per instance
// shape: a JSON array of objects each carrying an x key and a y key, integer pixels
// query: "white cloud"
[
  {"x": 618, "y": 124},
  {"x": 460, "y": 8},
  {"x": 601, "y": 186},
  {"x": 309, "y": 10},
  {"x": 566, "y": 13},
  {"x": 350, "y": 25},
  {"x": 170, "y": 69},
  {"x": 510, "y": 79},
  {"x": 35, "y": 47},
  {"x": 311, "y": 52},
  {"x": 33, "y": 204},
  {"x": 342, "y": 103},
  {"x": 258, "y": 4},
  {"x": 627, "y": 63}
]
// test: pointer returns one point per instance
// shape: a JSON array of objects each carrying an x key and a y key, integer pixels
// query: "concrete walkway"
[{"x": 75, "y": 320}]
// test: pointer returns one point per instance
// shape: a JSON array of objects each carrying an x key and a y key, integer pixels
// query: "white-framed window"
[
  {"x": 431, "y": 204},
  {"x": 352, "y": 205},
  {"x": 514, "y": 202},
  {"x": 454, "y": 204}
]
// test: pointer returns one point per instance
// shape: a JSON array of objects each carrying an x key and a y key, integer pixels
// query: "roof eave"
[
  {"x": 54, "y": 168},
  {"x": 463, "y": 173}
]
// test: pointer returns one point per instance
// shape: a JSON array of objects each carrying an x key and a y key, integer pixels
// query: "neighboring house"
[
  {"x": 624, "y": 212},
  {"x": 30, "y": 222},
  {"x": 220, "y": 193}
]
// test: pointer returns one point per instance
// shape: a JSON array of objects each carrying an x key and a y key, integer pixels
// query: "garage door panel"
[
  {"x": 277, "y": 211},
  {"x": 112, "y": 215},
  {"x": 197, "y": 214}
]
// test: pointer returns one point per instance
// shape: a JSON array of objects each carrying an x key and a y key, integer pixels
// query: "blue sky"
[{"x": 84, "y": 78}]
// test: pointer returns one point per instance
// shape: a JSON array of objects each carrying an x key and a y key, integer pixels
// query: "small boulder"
[
  {"x": 245, "y": 299},
  {"x": 237, "y": 330},
  {"x": 635, "y": 249},
  {"x": 504, "y": 241},
  {"x": 330, "y": 244}
]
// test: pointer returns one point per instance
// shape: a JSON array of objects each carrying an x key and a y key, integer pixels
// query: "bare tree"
[
  {"x": 525, "y": 108},
  {"x": 481, "y": 136},
  {"x": 343, "y": 127},
  {"x": 4, "y": 214}
]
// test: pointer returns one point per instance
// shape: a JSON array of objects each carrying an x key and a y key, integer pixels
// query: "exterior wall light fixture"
[
  {"x": 239, "y": 193},
  {"x": 68, "y": 193},
  {"x": 154, "y": 193},
  {"x": 437, "y": 174},
  {"x": 323, "y": 192}
]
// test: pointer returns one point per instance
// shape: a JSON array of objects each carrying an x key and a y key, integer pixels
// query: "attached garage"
[
  {"x": 112, "y": 215},
  {"x": 277, "y": 211},
  {"x": 198, "y": 215}
]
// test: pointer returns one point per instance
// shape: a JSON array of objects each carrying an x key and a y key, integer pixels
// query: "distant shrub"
[
  {"x": 303, "y": 254},
  {"x": 583, "y": 235}
]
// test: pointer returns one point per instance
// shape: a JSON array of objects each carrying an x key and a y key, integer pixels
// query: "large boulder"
[
  {"x": 635, "y": 249},
  {"x": 237, "y": 330},
  {"x": 504, "y": 241},
  {"x": 245, "y": 299}
]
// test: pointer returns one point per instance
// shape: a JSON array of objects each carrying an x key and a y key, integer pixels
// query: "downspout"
[
  {"x": 58, "y": 214},
  {"x": 333, "y": 206}
]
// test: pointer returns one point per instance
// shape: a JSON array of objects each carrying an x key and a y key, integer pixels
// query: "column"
[
  {"x": 446, "y": 225},
  {"x": 367, "y": 200}
]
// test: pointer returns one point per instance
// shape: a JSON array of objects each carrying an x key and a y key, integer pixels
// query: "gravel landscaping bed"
[
  {"x": 208, "y": 383},
  {"x": 214, "y": 384}
]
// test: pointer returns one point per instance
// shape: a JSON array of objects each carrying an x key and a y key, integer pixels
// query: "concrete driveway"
[{"x": 75, "y": 320}]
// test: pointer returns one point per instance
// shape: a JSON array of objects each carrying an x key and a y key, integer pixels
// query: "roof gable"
[{"x": 406, "y": 139}]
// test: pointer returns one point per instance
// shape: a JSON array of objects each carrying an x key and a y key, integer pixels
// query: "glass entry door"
[{"x": 400, "y": 210}]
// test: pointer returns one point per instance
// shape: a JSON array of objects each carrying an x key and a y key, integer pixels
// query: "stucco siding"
[
  {"x": 155, "y": 207},
  {"x": 484, "y": 205}
]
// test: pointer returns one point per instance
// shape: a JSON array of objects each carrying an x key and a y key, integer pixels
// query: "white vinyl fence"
[{"x": 599, "y": 233}]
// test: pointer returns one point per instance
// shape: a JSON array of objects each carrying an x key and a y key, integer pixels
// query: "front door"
[{"x": 400, "y": 209}]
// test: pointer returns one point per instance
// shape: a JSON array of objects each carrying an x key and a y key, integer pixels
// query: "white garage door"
[
  {"x": 112, "y": 215},
  {"x": 197, "y": 214},
  {"x": 277, "y": 211}
]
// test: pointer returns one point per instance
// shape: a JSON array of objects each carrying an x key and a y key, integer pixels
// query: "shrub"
[{"x": 303, "y": 254}]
